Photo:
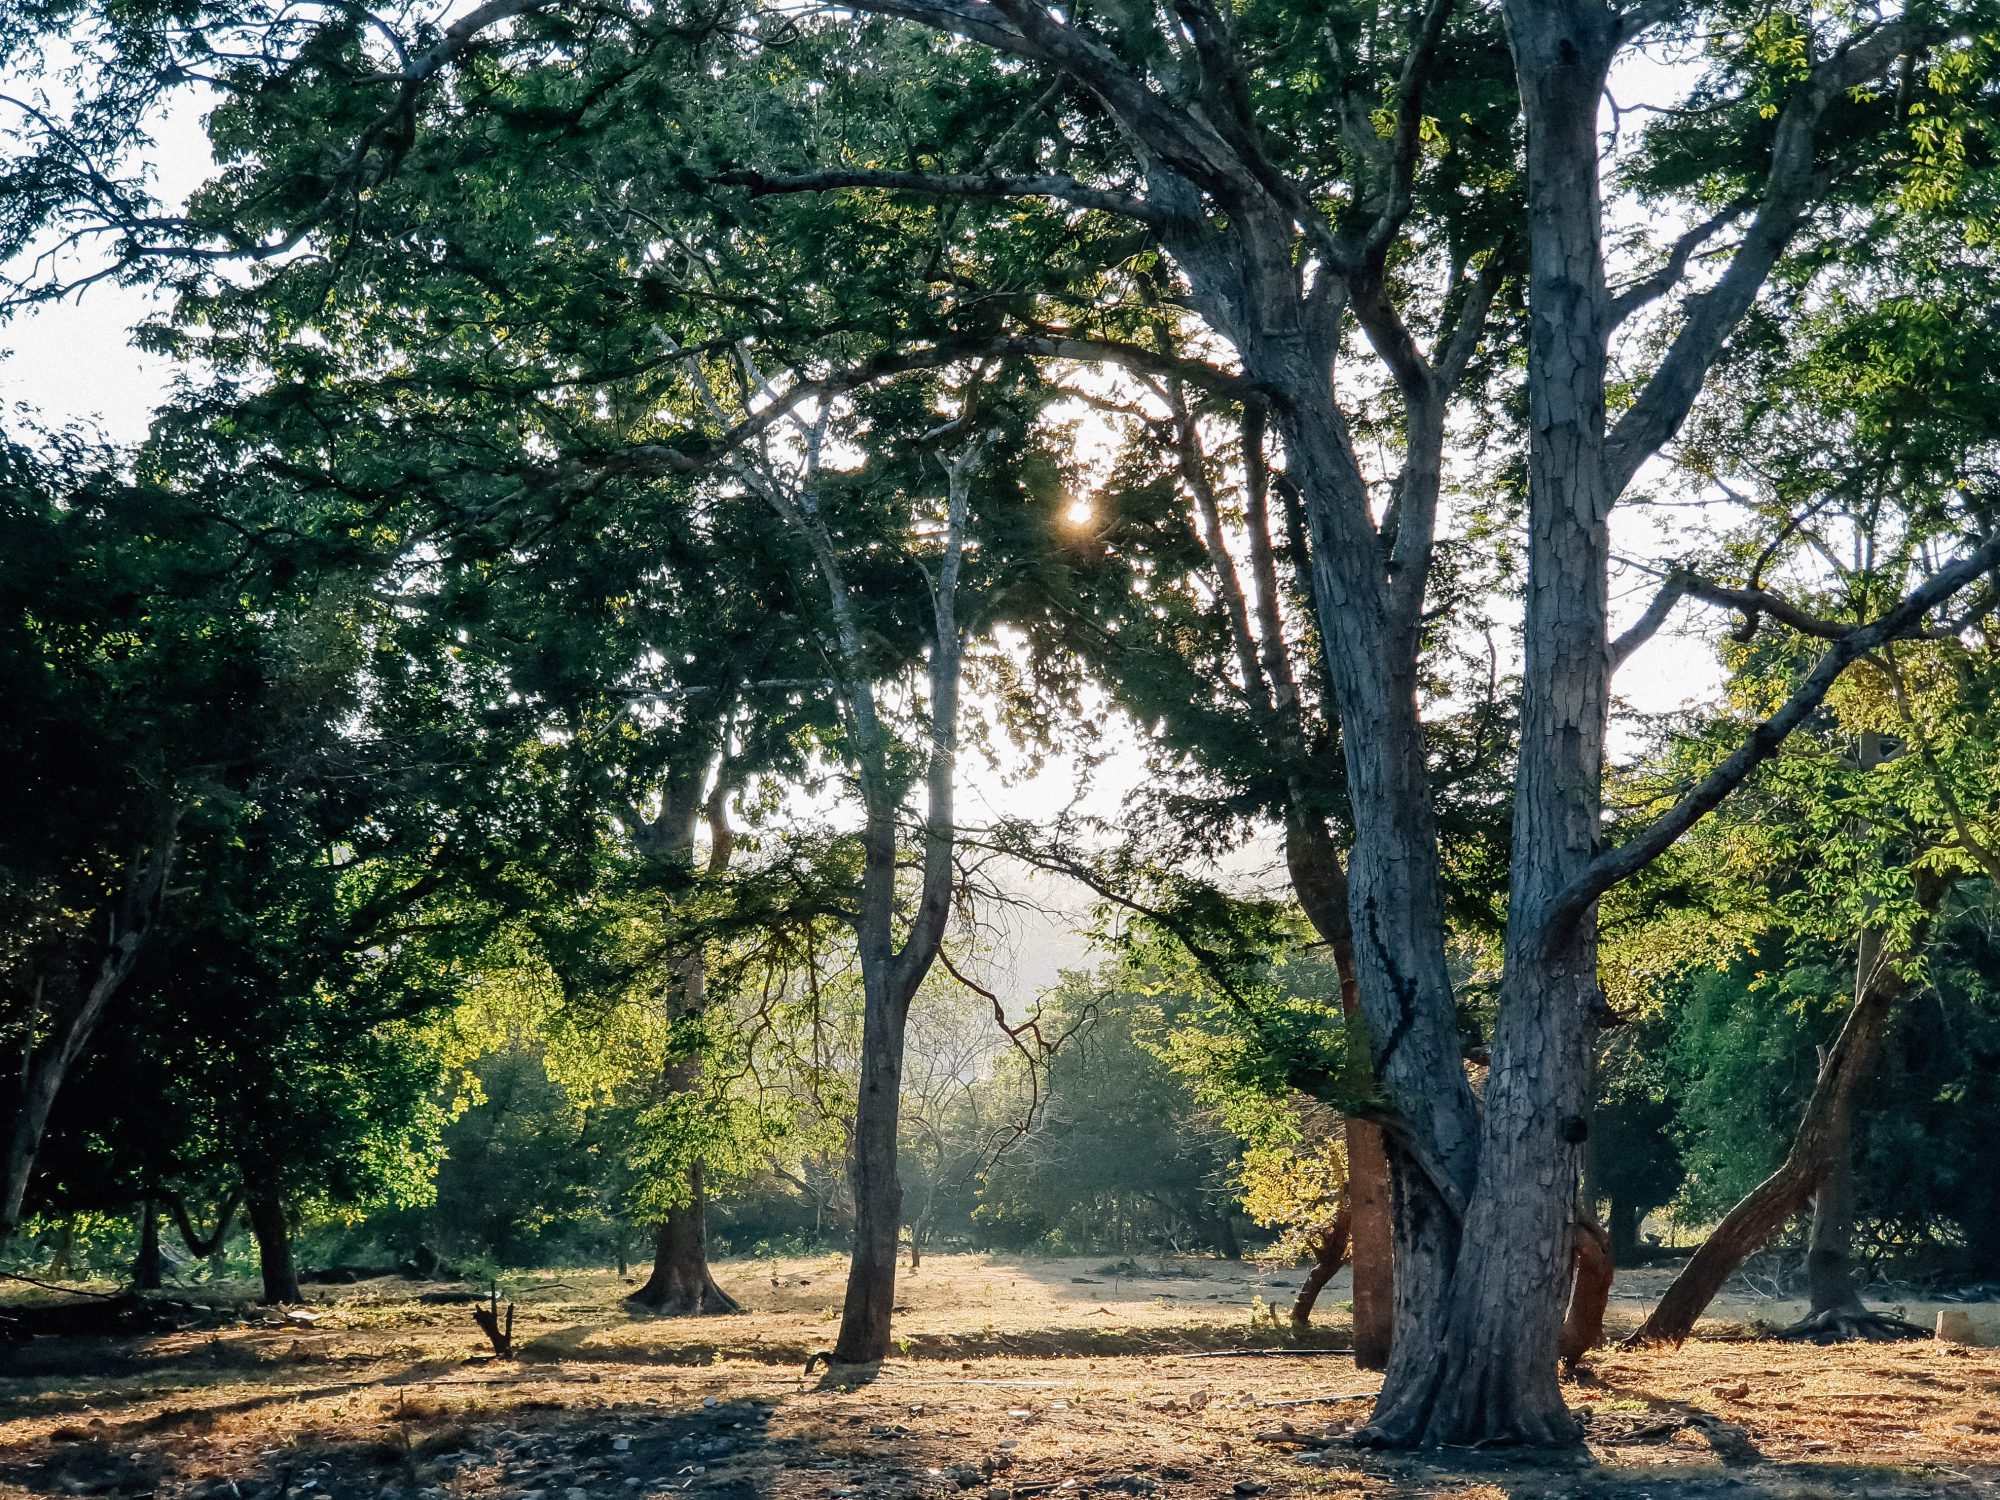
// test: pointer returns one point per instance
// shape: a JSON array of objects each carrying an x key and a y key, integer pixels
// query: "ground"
[{"x": 1014, "y": 1379}]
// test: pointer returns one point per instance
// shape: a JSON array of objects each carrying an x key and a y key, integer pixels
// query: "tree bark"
[
  {"x": 1321, "y": 886},
  {"x": 274, "y": 1249},
  {"x": 1329, "y": 1251},
  {"x": 1830, "y": 1280},
  {"x": 148, "y": 1268},
  {"x": 1772, "y": 1203},
  {"x": 878, "y": 1189},
  {"x": 682, "y": 1282},
  {"x": 1492, "y": 1375}
]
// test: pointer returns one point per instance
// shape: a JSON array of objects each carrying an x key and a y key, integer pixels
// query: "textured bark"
[
  {"x": 1395, "y": 889},
  {"x": 1590, "y": 1292},
  {"x": 1491, "y": 1375},
  {"x": 1830, "y": 1271},
  {"x": 1329, "y": 1251},
  {"x": 274, "y": 1250},
  {"x": 682, "y": 1282},
  {"x": 878, "y": 1188}
]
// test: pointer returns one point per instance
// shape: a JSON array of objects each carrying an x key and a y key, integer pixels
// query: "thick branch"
[
  {"x": 1614, "y": 865},
  {"x": 1713, "y": 315}
]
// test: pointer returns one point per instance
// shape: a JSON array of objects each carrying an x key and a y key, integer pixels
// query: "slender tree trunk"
[
  {"x": 1321, "y": 886},
  {"x": 274, "y": 1249},
  {"x": 148, "y": 1269},
  {"x": 682, "y": 1281},
  {"x": 46, "y": 1064},
  {"x": 63, "y": 1260},
  {"x": 1329, "y": 1251},
  {"x": 878, "y": 1188},
  {"x": 1623, "y": 1223}
]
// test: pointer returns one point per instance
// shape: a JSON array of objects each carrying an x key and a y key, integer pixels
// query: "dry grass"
[{"x": 1016, "y": 1379}]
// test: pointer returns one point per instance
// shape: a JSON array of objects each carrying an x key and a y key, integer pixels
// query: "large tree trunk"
[
  {"x": 1493, "y": 1374},
  {"x": 682, "y": 1281},
  {"x": 1329, "y": 1250},
  {"x": 1395, "y": 886},
  {"x": 1369, "y": 1238},
  {"x": 274, "y": 1249},
  {"x": 878, "y": 1188},
  {"x": 1770, "y": 1205}
]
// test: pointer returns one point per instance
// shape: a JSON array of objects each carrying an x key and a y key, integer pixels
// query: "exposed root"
[{"x": 1846, "y": 1325}]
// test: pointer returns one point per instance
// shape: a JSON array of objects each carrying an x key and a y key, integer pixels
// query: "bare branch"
[{"x": 1671, "y": 592}]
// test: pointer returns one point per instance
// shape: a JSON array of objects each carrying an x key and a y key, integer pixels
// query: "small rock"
[
  {"x": 621, "y": 1445},
  {"x": 1734, "y": 1392},
  {"x": 1954, "y": 1326},
  {"x": 1250, "y": 1487},
  {"x": 710, "y": 1401}
]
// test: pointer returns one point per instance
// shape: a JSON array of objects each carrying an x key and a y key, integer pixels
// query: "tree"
[{"x": 1242, "y": 149}]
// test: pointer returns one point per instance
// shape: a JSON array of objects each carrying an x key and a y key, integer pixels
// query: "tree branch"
[
  {"x": 1713, "y": 315},
  {"x": 1615, "y": 865},
  {"x": 948, "y": 185}
]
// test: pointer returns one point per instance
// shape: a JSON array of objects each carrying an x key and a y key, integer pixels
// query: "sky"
[{"x": 73, "y": 362}]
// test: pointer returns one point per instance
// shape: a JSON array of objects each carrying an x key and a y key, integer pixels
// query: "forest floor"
[{"x": 1014, "y": 1379}]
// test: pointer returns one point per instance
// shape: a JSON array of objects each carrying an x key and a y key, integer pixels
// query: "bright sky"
[{"x": 74, "y": 362}]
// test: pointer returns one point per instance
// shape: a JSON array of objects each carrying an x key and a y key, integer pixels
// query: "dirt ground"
[{"x": 1014, "y": 1379}]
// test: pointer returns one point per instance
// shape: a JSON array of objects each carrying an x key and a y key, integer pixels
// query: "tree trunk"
[
  {"x": 1830, "y": 1279},
  {"x": 148, "y": 1269},
  {"x": 1395, "y": 885},
  {"x": 1623, "y": 1222},
  {"x": 62, "y": 1261},
  {"x": 682, "y": 1282},
  {"x": 1772, "y": 1203},
  {"x": 1328, "y": 1252},
  {"x": 1590, "y": 1292},
  {"x": 1321, "y": 886},
  {"x": 130, "y": 921},
  {"x": 274, "y": 1249},
  {"x": 1492, "y": 1375},
  {"x": 878, "y": 1188}
]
